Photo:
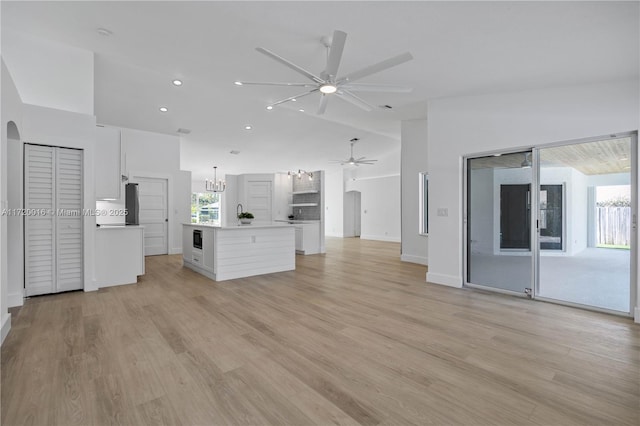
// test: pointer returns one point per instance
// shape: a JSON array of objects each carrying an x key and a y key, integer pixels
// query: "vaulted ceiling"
[{"x": 459, "y": 48}]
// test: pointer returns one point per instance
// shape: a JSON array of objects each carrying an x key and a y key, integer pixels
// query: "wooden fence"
[{"x": 614, "y": 225}]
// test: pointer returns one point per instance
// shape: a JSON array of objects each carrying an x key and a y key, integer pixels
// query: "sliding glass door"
[
  {"x": 556, "y": 223},
  {"x": 585, "y": 221},
  {"x": 499, "y": 204}
]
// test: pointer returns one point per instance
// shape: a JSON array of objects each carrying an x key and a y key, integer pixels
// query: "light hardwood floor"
[{"x": 351, "y": 337}]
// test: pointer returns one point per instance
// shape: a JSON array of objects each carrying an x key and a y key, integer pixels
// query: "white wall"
[
  {"x": 476, "y": 124},
  {"x": 413, "y": 161},
  {"x": 50, "y": 74},
  {"x": 10, "y": 111},
  {"x": 380, "y": 204},
  {"x": 333, "y": 198},
  {"x": 577, "y": 213},
  {"x": 610, "y": 179},
  {"x": 47, "y": 126}
]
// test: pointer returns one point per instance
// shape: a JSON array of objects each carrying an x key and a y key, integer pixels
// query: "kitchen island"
[{"x": 229, "y": 252}]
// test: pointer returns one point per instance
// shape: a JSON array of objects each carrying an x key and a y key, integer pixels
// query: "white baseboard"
[
  {"x": 15, "y": 299},
  {"x": 380, "y": 238},
  {"x": 442, "y": 279},
  {"x": 636, "y": 315},
  {"x": 414, "y": 259},
  {"x": 6, "y": 327},
  {"x": 175, "y": 250},
  {"x": 330, "y": 234}
]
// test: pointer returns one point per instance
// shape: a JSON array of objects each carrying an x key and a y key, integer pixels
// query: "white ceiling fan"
[
  {"x": 328, "y": 83},
  {"x": 354, "y": 161}
]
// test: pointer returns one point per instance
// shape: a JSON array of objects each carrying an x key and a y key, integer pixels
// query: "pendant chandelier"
[
  {"x": 299, "y": 174},
  {"x": 215, "y": 185}
]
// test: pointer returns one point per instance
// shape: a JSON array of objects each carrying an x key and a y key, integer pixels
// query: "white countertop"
[
  {"x": 234, "y": 227},
  {"x": 110, "y": 227},
  {"x": 297, "y": 221}
]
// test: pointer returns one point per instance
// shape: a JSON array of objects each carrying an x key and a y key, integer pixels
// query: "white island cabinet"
[{"x": 229, "y": 252}]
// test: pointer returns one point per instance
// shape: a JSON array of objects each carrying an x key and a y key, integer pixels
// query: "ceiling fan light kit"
[
  {"x": 354, "y": 161},
  {"x": 327, "y": 83}
]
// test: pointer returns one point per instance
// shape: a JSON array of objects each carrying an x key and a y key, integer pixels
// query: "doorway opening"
[{"x": 352, "y": 214}]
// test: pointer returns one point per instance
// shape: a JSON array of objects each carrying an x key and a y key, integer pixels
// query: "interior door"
[
  {"x": 153, "y": 214},
  {"x": 53, "y": 220},
  {"x": 69, "y": 253},
  {"x": 40, "y": 237},
  {"x": 259, "y": 202}
]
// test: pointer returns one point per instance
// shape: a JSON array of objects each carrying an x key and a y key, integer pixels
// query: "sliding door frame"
[{"x": 535, "y": 221}]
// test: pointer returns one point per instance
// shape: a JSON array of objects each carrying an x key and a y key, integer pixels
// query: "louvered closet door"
[
  {"x": 53, "y": 222},
  {"x": 39, "y": 228},
  {"x": 69, "y": 220}
]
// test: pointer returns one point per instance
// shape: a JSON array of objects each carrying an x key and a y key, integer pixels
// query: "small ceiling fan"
[
  {"x": 328, "y": 83},
  {"x": 354, "y": 161}
]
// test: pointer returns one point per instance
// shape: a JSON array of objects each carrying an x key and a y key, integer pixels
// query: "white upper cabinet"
[{"x": 107, "y": 163}]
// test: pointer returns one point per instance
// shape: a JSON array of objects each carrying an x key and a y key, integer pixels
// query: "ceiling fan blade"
[
  {"x": 294, "y": 97},
  {"x": 350, "y": 97},
  {"x": 289, "y": 64},
  {"x": 380, "y": 66},
  {"x": 335, "y": 54},
  {"x": 360, "y": 159},
  {"x": 268, "y": 83},
  {"x": 359, "y": 87},
  {"x": 323, "y": 104}
]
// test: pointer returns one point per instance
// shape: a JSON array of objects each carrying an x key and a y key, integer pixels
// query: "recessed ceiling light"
[
  {"x": 248, "y": 127},
  {"x": 301, "y": 110},
  {"x": 104, "y": 32},
  {"x": 237, "y": 83},
  {"x": 328, "y": 89},
  {"x": 164, "y": 109},
  {"x": 293, "y": 100},
  {"x": 177, "y": 82},
  {"x": 269, "y": 107}
]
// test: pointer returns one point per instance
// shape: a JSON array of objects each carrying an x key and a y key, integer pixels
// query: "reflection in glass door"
[
  {"x": 499, "y": 202},
  {"x": 585, "y": 216}
]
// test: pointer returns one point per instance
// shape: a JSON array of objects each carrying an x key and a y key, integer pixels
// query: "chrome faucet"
[{"x": 239, "y": 207}]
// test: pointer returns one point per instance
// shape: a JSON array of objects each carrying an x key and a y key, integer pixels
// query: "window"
[
  {"x": 205, "y": 208},
  {"x": 424, "y": 203}
]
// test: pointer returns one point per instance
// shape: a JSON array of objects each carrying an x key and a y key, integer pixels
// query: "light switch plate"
[{"x": 443, "y": 211}]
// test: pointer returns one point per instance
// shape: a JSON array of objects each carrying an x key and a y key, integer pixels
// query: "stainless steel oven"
[{"x": 197, "y": 239}]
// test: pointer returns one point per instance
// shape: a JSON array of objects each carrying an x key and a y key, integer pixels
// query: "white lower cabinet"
[
  {"x": 119, "y": 255},
  {"x": 203, "y": 257},
  {"x": 307, "y": 238}
]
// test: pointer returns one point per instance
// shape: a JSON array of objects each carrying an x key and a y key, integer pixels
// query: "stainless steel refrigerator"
[{"x": 132, "y": 204}]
